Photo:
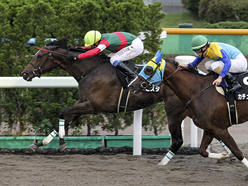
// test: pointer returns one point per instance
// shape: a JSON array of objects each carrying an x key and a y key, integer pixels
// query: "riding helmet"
[
  {"x": 199, "y": 42},
  {"x": 91, "y": 37}
]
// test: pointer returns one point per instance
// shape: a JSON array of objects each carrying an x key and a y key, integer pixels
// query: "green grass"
[{"x": 173, "y": 20}]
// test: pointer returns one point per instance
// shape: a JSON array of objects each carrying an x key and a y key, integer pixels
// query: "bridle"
[
  {"x": 146, "y": 84},
  {"x": 39, "y": 70}
]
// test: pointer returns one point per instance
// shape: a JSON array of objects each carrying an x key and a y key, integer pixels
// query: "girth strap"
[{"x": 123, "y": 100}]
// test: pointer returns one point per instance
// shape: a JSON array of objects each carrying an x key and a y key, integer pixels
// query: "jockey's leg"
[
  {"x": 234, "y": 85},
  {"x": 129, "y": 52},
  {"x": 123, "y": 68}
]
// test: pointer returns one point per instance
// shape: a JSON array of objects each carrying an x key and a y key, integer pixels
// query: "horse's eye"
[
  {"x": 148, "y": 70},
  {"x": 39, "y": 56}
]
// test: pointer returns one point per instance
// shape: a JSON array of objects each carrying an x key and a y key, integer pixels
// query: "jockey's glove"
[{"x": 73, "y": 58}]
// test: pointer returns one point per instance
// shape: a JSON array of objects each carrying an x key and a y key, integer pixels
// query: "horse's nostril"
[{"x": 143, "y": 85}]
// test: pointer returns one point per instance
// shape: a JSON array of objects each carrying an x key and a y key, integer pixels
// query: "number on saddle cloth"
[{"x": 242, "y": 94}]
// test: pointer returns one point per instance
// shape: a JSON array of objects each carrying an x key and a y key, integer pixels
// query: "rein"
[
  {"x": 164, "y": 79},
  {"x": 178, "y": 68},
  {"x": 172, "y": 73},
  {"x": 187, "y": 104}
]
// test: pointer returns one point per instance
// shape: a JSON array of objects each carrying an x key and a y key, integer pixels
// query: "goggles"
[{"x": 199, "y": 52}]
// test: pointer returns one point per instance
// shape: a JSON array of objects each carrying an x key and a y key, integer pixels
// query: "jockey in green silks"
[{"x": 122, "y": 45}]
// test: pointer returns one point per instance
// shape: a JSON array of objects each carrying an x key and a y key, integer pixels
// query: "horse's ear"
[
  {"x": 158, "y": 56},
  {"x": 62, "y": 43}
]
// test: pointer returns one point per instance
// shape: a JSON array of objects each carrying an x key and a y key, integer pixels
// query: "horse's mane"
[
  {"x": 189, "y": 68},
  {"x": 62, "y": 43}
]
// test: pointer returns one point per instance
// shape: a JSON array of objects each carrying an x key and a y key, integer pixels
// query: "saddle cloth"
[{"x": 239, "y": 95}]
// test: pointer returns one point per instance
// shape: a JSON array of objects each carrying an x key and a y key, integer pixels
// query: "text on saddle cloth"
[{"x": 241, "y": 94}]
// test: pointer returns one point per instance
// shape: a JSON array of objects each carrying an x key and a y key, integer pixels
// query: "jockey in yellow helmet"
[{"x": 122, "y": 45}]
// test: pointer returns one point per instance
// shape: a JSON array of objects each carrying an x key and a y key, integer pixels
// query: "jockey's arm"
[
  {"x": 102, "y": 46},
  {"x": 196, "y": 61},
  {"x": 227, "y": 63}
]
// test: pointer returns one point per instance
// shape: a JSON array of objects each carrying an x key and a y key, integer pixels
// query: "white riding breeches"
[
  {"x": 129, "y": 52},
  {"x": 238, "y": 65}
]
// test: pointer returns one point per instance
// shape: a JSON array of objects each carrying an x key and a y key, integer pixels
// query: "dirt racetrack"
[{"x": 120, "y": 169}]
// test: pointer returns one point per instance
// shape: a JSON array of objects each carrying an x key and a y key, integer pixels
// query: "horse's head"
[
  {"x": 151, "y": 74},
  {"x": 43, "y": 61}
]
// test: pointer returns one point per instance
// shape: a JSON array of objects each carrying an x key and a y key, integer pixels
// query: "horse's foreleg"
[
  {"x": 45, "y": 141},
  {"x": 177, "y": 140},
  {"x": 62, "y": 143},
  {"x": 61, "y": 129},
  {"x": 69, "y": 115},
  {"x": 166, "y": 158}
]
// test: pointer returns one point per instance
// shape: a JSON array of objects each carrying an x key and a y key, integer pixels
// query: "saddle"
[{"x": 239, "y": 95}]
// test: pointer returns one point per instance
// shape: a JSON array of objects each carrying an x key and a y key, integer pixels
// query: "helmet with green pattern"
[{"x": 198, "y": 44}]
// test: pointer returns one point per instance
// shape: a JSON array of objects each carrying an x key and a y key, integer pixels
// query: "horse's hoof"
[
  {"x": 62, "y": 147},
  {"x": 33, "y": 147},
  {"x": 160, "y": 163}
]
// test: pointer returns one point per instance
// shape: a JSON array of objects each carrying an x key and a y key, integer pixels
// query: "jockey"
[
  {"x": 122, "y": 45},
  {"x": 224, "y": 59}
]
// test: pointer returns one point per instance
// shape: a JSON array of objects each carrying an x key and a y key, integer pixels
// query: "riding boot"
[
  {"x": 234, "y": 85},
  {"x": 123, "y": 68}
]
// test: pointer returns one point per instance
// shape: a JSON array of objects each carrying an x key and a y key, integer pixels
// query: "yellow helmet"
[{"x": 92, "y": 37}]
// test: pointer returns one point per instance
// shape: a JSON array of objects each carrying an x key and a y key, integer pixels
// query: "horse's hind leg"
[
  {"x": 206, "y": 140},
  {"x": 224, "y": 135}
]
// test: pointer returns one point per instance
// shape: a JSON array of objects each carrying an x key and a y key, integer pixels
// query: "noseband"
[{"x": 39, "y": 70}]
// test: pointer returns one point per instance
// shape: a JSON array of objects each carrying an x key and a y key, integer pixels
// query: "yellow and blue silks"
[{"x": 158, "y": 64}]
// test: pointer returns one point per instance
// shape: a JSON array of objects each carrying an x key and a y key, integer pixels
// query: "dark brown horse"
[
  {"x": 99, "y": 90},
  {"x": 208, "y": 107}
]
